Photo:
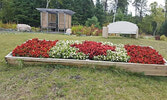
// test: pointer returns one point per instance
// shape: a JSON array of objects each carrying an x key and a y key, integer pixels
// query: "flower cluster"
[
  {"x": 34, "y": 48},
  {"x": 144, "y": 55},
  {"x": 92, "y": 48},
  {"x": 119, "y": 55},
  {"x": 64, "y": 50},
  {"x": 102, "y": 51}
]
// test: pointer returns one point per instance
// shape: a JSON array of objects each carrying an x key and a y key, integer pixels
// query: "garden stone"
[{"x": 23, "y": 28}]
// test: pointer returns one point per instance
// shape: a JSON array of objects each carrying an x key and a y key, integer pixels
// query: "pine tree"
[
  {"x": 123, "y": 6},
  {"x": 84, "y": 9},
  {"x": 99, "y": 12},
  {"x": 25, "y": 11}
]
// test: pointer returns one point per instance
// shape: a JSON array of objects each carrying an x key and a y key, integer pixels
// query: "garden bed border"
[{"x": 147, "y": 69}]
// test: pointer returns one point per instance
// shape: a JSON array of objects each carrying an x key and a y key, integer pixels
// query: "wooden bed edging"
[{"x": 147, "y": 69}]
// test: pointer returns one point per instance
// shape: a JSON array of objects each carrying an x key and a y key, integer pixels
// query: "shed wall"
[
  {"x": 52, "y": 20},
  {"x": 44, "y": 19}
]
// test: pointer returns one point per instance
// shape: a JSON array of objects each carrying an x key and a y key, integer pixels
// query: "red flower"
[
  {"x": 92, "y": 48},
  {"x": 144, "y": 55},
  {"x": 34, "y": 48}
]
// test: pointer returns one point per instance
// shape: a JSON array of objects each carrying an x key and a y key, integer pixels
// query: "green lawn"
[{"x": 63, "y": 82}]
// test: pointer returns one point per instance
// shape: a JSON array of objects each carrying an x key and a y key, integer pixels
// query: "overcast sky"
[{"x": 160, "y": 2}]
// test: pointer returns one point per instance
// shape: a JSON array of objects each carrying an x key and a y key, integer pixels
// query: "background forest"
[{"x": 151, "y": 19}]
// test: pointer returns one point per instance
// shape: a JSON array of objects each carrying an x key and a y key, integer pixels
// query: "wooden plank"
[{"x": 148, "y": 69}]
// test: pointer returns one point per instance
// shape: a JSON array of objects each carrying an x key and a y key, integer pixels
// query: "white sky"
[{"x": 160, "y": 2}]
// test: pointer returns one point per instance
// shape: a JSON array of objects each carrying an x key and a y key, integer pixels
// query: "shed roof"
[{"x": 54, "y": 11}]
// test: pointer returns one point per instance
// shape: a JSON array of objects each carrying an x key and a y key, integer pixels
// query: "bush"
[
  {"x": 163, "y": 38},
  {"x": 88, "y": 31},
  {"x": 92, "y": 21},
  {"x": 8, "y": 25},
  {"x": 76, "y": 29},
  {"x": 95, "y": 31},
  {"x": 35, "y": 29}
]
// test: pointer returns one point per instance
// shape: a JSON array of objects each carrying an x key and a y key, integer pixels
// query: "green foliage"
[
  {"x": 92, "y": 21},
  {"x": 35, "y": 29},
  {"x": 146, "y": 25},
  {"x": 22, "y": 11},
  {"x": 163, "y": 29},
  {"x": 5, "y": 16},
  {"x": 120, "y": 15},
  {"x": 123, "y": 6},
  {"x": 84, "y": 9},
  {"x": 76, "y": 29},
  {"x": 158, "y": 16},
  {"x": 163, "y": 38},
  {"x": 99, "y": 12},
  {"x": 8, "y": 25},
  {"x": 88, "y": 31}
]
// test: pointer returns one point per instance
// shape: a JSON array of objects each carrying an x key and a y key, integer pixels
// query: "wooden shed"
[{"x": 55, "y": 19}]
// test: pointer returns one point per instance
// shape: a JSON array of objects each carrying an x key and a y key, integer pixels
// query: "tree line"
[{"x": 150, "y": 18}]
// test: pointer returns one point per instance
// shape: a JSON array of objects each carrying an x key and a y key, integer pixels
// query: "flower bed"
[{"x": 101, "y": 51}]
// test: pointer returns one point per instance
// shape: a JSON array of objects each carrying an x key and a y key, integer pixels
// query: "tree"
[
  {"x": 123, "y": 6},
  {"x": 105, "y": 4},
  {"x": 163, "y": 30},
  {"x": 157, "y": 15},
  {"x": 99, "y": 12},
  {"x": 140, "y": 7},
  {"x": 147, "y": 24},
  {"x": 24, "y": 11},
  {"x": 47, "y": 4},
  {"x": 84, "y": 9},
  {"x": 136, "y": 5},
  {"x": 165, "y": 9},
  {"x": 92, "y": 21},
  {"x": 6, "y": 5}
]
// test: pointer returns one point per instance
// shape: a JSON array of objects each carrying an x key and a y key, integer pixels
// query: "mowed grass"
[{"x": 55, "y": 82}]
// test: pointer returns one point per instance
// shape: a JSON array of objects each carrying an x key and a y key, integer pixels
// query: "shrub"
[
  {"x": 8, "y": 25},
  {"x": 95, "y": 31},
  {"x": 88, "y": 31},
  {"x": 35, "y": 29},
  {"x": 76, "y": 29},
  {"x": 163, "y": 38}
]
